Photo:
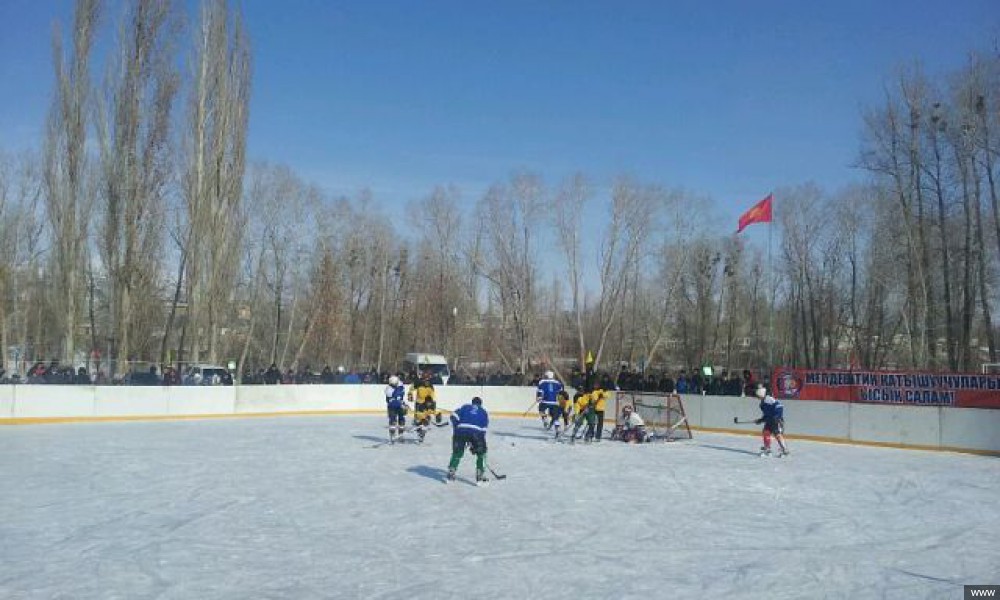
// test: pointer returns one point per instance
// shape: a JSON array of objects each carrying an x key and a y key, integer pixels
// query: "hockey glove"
[{"x": 759, "y": 421}]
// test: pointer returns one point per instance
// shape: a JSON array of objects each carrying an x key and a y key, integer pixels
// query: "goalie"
[{"x": 632, "y": 429}]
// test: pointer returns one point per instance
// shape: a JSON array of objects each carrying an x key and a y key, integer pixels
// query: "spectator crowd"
[{"x": 725, "y": 383}]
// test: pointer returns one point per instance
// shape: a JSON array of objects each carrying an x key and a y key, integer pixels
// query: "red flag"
[{"x": 760, "y": 213}]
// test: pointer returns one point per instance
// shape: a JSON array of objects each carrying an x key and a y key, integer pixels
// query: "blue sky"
[{"x": 729, "y": 99}]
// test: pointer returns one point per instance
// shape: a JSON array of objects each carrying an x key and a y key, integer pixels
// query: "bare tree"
[
  {"x": 633, "y": 216},
  {"x": 67, "y": 194},
  {"x": 134, "y": 132},
  {"x": 570, "y": 203},
  {"x": 508, "y": 217},
  {"x": 21, "y": 189},
  {"x": 213, "y": 181}
]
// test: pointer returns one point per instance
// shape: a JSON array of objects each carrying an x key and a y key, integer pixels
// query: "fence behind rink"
[{"x": 926, "y": 427}]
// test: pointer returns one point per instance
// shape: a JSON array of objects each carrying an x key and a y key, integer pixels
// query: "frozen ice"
[{"x": 305, "y": 507}]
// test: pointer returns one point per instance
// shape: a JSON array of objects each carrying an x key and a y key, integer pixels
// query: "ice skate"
[
  {"x": 481, "y": 477},
  {"x": 450, "y": 476}
]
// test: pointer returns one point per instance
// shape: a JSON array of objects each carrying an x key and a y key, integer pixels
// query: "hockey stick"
[
  {"x": 738, "y": 422},
  {"x": 495, "y": 474},
  {"x": 525, "y": 414},
  {"x": 399, "y": 438}
]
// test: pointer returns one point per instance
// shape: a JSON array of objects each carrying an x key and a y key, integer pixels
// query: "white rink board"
[
  {"x": 202, "y": 400},
  {"x": 951, "y": 428},
  {"x": 309, "y": 398},
  {"x": 40, "y": 401},
  {"x": 6, "y": 402},
  {"x": 265, "y": 398},
  {"x": 973, "y": 428},
  {"x": 911, "y": 425},
  {"x": 692, "y": 408},
  {"x": 131, "y": 401},
  {"x": 823, "y": 419},
  {"x": 717, "y": 412}
]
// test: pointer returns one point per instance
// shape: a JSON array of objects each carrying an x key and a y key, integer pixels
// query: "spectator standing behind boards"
[
  {"x": 682, "y": 383},
  {"x": 272, "y": 376}
]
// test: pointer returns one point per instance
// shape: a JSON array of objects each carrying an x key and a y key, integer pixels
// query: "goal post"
[{"x": 663, "y": 414}]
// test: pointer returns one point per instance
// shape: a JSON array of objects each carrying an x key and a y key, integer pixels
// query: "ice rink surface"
[{"x": 304, "y": 507}]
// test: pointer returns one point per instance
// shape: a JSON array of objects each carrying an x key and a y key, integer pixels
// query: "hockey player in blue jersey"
[
  {"x": 547, "y": 396},
  {"x": 395, "y": 407},
  {"x": 469, "y": 424},
  {"x": 773, "y": 418}
]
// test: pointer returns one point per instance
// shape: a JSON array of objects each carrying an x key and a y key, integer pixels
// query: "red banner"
[{"x": 963, "y": 390}]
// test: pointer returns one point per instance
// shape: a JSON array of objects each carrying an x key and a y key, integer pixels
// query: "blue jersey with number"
[
  {"x": 470, "y": 418},
  {"x": 548, "y": 391},
  {"x": 394, "y": 395}
]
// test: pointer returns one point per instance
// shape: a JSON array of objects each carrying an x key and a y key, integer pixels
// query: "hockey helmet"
[
  {"x": 394, "y": 381},
  {"x": 761, "y": 391},
  {"x": 550, "y": 375},
  {"x": 477, "y": 401}
]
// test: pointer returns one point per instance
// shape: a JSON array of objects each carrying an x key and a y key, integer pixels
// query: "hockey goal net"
[{"x": 663, "y": 414}]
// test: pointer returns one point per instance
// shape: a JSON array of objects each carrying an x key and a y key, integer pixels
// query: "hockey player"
[
  {"x": 633, "y": 428},
  {"x": 773, "y": 418},
  {"x": 425, "y": 406},
  {"x": 584, "y": 409},
  {"x": 599, "y": 398},
  {"x": 565, "y": 407},
  {"x": 546, "y": 396},
  {"x": 395, "y": 406},
  {"x": 469, "y": 424}
]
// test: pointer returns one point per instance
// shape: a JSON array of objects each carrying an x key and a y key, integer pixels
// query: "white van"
[
  {"x": 204, "y": 375},
  {"x": 435, "y": 364}
]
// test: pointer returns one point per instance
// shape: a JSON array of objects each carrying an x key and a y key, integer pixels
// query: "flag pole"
[{"x": 770, "y": 285}]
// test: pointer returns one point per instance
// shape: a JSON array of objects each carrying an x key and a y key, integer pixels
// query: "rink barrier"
[
  {"x": 849, "y": 442},
  {"x": 911, "y": 427}
]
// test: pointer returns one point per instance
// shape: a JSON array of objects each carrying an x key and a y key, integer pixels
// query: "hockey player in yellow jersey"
[
  {"x": 599, "y": 398},
  {"x": 584, "y": 410},
  {"x": 566, "y": 407},
  {"x": 425, "y": 405}
]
